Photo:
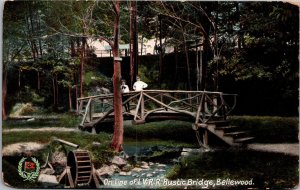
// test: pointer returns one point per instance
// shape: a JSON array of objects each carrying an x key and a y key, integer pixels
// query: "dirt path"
[
  {"x": 46, "y": 129},
  {"x": 290, "y": 149},
  {"x": 17, "y": 148}
]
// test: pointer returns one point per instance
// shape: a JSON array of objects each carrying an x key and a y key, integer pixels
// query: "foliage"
[
  {"x": 248, "y": 42},
  {"x": 101, "y": 154},
  {"x": 23, "y": 109},
  {"x": 95, "y": 78}
]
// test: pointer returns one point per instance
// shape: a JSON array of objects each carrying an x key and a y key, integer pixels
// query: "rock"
[
  {"x": 59, "y": 158},
  {"x": 145, "y": 167},
  {"x": 106, "y": 170},
  {"x": 151, "y": 163},
  {"x": 117, "y": 160},
  {"x": 161, "y": 165},
  {"x": 44, "y": 178},
  {"x": 96, "y": 144},
  {"x": 116, "y": 168},
  {"x": 136, "y": 169},
  {"x": 149, "y": 175},
  {"x": 47, "y": 171},
  {"x": 144, "y": 163},
  {"x": 31, "y": 119},
  {"x": 185, "y": 153},
  {"x": 126, "y": 168},
  {"x": 125, "y": 173},
  {"x": 124, "y": 155}
]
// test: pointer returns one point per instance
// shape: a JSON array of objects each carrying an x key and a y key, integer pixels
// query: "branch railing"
[{"x": 202, "y": 106}]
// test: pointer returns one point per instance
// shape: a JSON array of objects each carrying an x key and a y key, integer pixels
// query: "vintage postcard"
[{"x": 150, "y": 94}]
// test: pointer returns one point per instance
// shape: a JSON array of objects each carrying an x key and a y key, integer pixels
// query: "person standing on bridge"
[
  {"x": 124, "y": 89},
  {"x": 139, "y": 85}
]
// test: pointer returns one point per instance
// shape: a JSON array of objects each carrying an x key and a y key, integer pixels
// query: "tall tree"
[
  {"x": 117, "y": 140},
  {"x": 133, "y": 41}
]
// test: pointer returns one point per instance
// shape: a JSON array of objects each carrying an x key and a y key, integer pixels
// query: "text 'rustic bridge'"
[{"x": 208, "y": 111}]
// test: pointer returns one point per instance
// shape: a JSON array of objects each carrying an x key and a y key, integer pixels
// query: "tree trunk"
[
  {"x": 188, "y": 67},
  {"x": 117, "y": 139},
  {"x": 54, "y": 93},
  {"x": 76, "y": 95},
  {"x": 133, "y": 41},
  {"x": 82, "y": 53},
  {"x": 4, "y": 93},
  {"x": 70, "y": 99},
  {"x": 161, "y": 52},
  {"x": 186, "y": 50},
  {"x": 56, "y": 86},
  {"x": 73, "y": 51},
  {"x": 176, "y": 68},
  {"x": 38, "y": 81},
  {"x": 205, "y": 55},
  {"x": 197, "y": 69},
  {"x": 142, "y": 44},
  {"x": 200, "y": 69}
]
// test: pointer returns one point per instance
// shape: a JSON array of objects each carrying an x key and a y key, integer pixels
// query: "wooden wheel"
[{"x": 80, "y": 165}]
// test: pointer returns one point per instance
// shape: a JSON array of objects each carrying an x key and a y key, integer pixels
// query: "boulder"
[
  {"x": 59, "y": 158},
  {"x": 125, "y": 173},
  {"x": 106, "y": 170},
  {"x": 126, "y": 168},
  {"x": 136, "y": 169},
  {"x": 51, "y": 179},
  {"x": 117, "y": 160},
  {"x": 47, "y": 171},
  {"x": 161, "y": 165},
  {"x": 145, "y": 167}
]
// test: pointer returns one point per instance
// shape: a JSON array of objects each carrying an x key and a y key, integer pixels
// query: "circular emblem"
[{"x": 29, "y": 170}]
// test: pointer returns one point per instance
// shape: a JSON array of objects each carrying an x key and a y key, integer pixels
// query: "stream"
[{"x": 157, "y": 160}]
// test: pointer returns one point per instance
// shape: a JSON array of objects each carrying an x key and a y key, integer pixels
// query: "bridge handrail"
[
  {"x": 201, "y": 100},
  {"x": 153, "y": 91}
]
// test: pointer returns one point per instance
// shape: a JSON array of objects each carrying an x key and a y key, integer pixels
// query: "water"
[{"x": 151, "y": 176}]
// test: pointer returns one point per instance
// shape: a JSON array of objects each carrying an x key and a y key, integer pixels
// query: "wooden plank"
[
  {"x": 69, "y": 176},
  {"x": 86, "y": 111}
]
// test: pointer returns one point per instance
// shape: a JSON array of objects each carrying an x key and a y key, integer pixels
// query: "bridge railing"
[{"x": 202, "y": 106}]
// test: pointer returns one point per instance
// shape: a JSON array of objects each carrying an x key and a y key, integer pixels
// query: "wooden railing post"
[
  {"x": 199, "y": 109},
  {"x": 91, "y": 110},
  {"x": 142, "y": 106},
  {"x": 205, "y": 138}
]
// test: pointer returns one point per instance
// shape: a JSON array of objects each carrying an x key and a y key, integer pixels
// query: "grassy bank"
[
  {"x": 61, "y": 120},
  {"x": 268, "y": 170},
  {"x": 267, "y": 129},
  {"x": 165, "y": 130}
]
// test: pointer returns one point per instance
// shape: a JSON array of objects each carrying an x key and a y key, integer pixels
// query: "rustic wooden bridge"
[{"x": 208, "y": 111}]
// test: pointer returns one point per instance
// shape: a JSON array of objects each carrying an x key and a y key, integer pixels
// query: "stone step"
[
  {"x": 236, "y": 134},
  {"x": 243, "y": 140},
  {"x": 228, "y": 129}
]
